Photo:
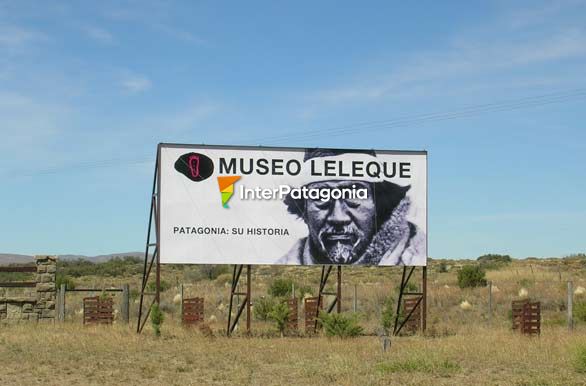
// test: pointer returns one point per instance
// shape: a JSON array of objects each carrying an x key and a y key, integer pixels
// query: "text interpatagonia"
[{"x": 304, "y": 192}]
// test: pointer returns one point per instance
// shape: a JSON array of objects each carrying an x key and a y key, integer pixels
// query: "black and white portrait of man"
[{"x": 373, "y": 230}]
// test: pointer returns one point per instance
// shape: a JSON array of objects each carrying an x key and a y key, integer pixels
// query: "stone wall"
[{"x": 38, "y": 304}]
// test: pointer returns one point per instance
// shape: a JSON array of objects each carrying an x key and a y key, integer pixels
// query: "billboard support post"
[
  {"x": 325, "y": 274},
  {"x": 247, "y": 302},
  {"x": 420, "y": 295},
  {"x": 147, "y": 267}
]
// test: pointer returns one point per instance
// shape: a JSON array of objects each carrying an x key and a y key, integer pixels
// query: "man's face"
[{"x": 340, "y": 230}]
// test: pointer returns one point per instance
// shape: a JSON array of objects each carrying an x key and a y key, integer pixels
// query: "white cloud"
[
  {"x": 14, "y": 36},
  {"x": 156, "y": 16},
  {"x": 539, "y": 14},
  {"x": 136, "y": 84},
  {"x": 98, "y": 34},
  {"x": 468, "y": 58}
]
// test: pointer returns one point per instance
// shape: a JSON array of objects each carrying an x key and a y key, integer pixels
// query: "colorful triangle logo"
[{"x": 226, "y": 185}]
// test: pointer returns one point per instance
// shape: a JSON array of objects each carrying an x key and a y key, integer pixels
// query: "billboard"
[{"x": 291, "y": 206}]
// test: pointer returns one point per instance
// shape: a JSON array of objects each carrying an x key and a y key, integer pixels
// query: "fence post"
[
  {"x": 293, "y": 290},
  {"x": 570, "y": 306},
  {"x": 62, "y": 303},
  {"x": 181, "y": 301},
  {"x": 490, "y": 302},
  {"x": 125, "y": 305},
  {"x": 355, "y": 300}
]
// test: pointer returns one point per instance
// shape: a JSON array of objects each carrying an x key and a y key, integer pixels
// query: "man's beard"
[{"x": 340, "y": 243}]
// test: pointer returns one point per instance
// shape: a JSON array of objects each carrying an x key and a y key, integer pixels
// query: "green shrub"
[
  {"x": 494, "y": 261},
  {"x": 117, "y": 266},
  {"x": 280, "y": 315},
  {"x": 340, "y": 325},
  {"x": 157, "y": 319},
  {"x": 281, "y": 287},
  {"x": 134, "y": 294},
  {"x": 410, "y": 287},
  {"x": 302, "y": 290},
  {"x": 494, "y": 258},
  {"x": 212, "y": 271},
  {"x": 152, "y": 286},
  {"x": 64, "y": 279},
  {"x": 442, "y": 268},
  {"x": 580, "y": 359},
  {"x": 580, "y": 311},
  {"x": 388, "y": 315},
  {"x": 224, "y": 279},
  {"x": 471, "y": 276},
  {"x": 263, "y": 306}
]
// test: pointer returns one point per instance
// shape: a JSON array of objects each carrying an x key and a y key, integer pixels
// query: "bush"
[
  {"x": 494, "y": 261},
  {"x": 340, "y": 325},
  {"x": 443, "y": 267},
  {"x": 471, "y": 276},
  {"x": 303, "y": 290},
  {"x": 64, "y": 279},
  {"x": 263, "y": 306},
  {"x": 116, "y": 266},
  {"x": 494, "y": 258},
  {"x": 281, "y": 287},
  {"x": 280, "y": 315},
  {"x": 223, "y": 279},
  {"x": 211, "y": 272},
  {"x": 152, "y": 286},
  {"x": 388, "y": 315},
  {"x": 410, "y": 287},
  {"x": 157, "y": 319},
  {"x": 580, "y": 311},
  {"x": 134, "y": 294}
]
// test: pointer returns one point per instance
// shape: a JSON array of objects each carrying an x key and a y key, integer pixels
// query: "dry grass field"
[
  {"x": 73, "y": 354},
  {"x": 462, "y": 346}
]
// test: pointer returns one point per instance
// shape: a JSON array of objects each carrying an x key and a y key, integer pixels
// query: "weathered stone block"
[
  {"x": 27, "y": 307},
  {"x": 41, "y": 268},
  {"x": 48, "y": 314},
  {"x": 51, "y": 268},
  {"x": 2, "y": 307},
  {"x": 45, "y": 287},
  {"x": 13, "y": 311},
  {"x": 47, "y": 278},
  {"x": 45, "y": 258}
]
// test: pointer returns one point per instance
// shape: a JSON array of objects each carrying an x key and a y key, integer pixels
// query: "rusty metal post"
[
  {"x": 339, "y": 291},
  {"x": 355, "y": 299},
  {"x": 490, "y": 302},
  {"x": 125, "y": 303},
  {"x": 248, "y": 297},
  {"x": 570, "y": 306},
  {"x": 424, "y": 300},
  {"x": 158, "y": 282}
]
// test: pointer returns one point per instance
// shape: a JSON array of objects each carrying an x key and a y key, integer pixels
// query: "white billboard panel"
[{"x": 257, "y": 205}]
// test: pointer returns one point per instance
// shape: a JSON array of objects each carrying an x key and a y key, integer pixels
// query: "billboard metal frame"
[{"x": 152, "y": 257}]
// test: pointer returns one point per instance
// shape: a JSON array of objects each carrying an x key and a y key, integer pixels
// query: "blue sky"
[{"x": 87, "y": 90}]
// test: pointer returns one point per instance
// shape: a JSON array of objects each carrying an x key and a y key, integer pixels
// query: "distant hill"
[{"x": 12, "y": 258}]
